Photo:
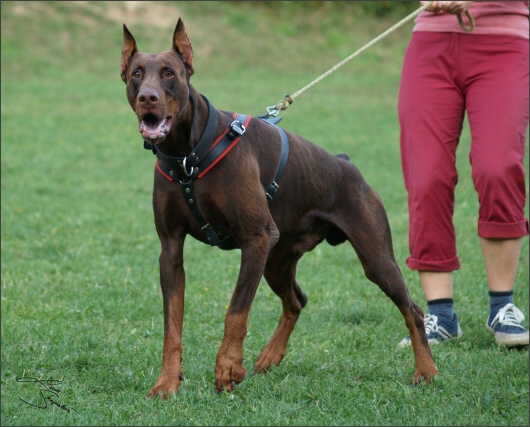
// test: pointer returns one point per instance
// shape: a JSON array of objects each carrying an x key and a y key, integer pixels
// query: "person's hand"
[{"x": 455, "y": 7}]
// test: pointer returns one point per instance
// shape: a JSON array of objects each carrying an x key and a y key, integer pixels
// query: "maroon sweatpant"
[{"x": 445, "y": 75}]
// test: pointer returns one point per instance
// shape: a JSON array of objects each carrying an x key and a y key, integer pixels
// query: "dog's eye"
[
  {"x": 169, "y": 73},
  {"x": 137, "y": 74}
]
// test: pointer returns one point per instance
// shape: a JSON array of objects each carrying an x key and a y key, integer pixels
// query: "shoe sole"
[
  {"x": 433, "y": 341},
  {"x": 510, "y": 340}
]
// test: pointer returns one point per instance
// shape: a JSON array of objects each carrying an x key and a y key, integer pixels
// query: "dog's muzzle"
[{"x": 154, "y": 129}]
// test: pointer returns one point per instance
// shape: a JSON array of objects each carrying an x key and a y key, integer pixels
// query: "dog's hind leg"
[
  {"x": 371, "y": 238},
  {"x": 280, "y": 274}
]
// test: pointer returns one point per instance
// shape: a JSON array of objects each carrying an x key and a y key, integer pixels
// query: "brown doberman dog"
[{"x": 236, "y": 181}]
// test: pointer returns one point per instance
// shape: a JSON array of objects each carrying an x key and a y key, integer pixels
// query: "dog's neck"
[{"x": 185, "y": 136}]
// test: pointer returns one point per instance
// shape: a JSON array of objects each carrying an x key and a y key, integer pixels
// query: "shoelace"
[
  {"x": 509, "y": 315},
  {"x": 431, "y": 323}
]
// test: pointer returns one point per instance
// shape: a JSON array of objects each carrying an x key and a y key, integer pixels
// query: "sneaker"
[
  {"x": 507, "y": 328},
  {"x": 435, "y": 333}
]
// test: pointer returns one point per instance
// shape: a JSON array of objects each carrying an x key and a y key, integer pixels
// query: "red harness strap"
[
  {"x": 165, "y": 175},
  {"x": 227, "y": 149},
  {"x": 224, "y": 151}
]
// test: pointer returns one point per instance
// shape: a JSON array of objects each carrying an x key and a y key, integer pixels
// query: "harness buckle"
[{"x": 237, "y": 127}]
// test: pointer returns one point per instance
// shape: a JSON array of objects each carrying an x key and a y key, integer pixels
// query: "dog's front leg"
[
  {"x": 172, "y": 281},
  {"x": 229, "y": 369}
]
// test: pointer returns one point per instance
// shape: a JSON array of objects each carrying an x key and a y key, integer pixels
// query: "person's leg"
[
  {"x": 438, "y": 290},
  {"x": 431, "y": 112},
  {"x": 501, "y": 258},
  {"x": 436, "y": 284},
  {"x": 497, "y": 105},
  {"x": 441, "y": 322}
]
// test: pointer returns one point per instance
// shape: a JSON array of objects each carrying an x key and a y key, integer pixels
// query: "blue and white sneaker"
[
  {"x": 507, "y": 326},
  {"x": 435, "y": 333}
]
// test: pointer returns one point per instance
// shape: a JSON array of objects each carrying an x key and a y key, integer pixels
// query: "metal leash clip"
[{"x": 272, "y": 111}]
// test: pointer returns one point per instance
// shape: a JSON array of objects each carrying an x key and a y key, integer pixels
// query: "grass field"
[{"x": 80, "y": 301}]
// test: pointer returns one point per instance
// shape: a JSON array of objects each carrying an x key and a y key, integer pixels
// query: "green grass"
[{"x": 80, "y": 296}]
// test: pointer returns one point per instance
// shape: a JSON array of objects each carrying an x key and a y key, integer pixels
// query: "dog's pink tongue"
[{"x": 152, "y": 131}]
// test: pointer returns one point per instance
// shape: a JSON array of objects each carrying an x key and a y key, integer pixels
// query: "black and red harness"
[{"x": 206, "y": 154}]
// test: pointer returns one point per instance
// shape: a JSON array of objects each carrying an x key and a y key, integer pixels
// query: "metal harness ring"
[{"x": 190, "y": 173}]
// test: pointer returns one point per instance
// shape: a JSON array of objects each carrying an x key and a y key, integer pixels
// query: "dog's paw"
[
  {"x": 226, "y": 379},
  {"x": 270, "y": 356},
  {"x": 419, "y": 378},
  {"x": 165, "y": 387},
  {"x": 162, "y": 393}
]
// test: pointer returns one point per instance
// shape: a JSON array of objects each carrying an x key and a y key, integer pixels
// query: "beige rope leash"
[
  {"x": 471, "y": 22},
  {"x": 273, "y": 110}
]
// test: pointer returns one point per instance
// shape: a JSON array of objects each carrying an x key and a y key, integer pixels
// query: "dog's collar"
[
  {"x": 187, "y": 168},
  {"x": 207, "y": 152}
]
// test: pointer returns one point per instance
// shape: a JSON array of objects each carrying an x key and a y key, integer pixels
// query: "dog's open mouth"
[{"x": 154, "y": 129}]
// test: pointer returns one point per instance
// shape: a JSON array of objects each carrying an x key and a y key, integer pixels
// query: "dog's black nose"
[{"x": 148, "y": 97}]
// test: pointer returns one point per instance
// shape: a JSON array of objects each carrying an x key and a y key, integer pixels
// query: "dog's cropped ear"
[
  {"x": 129, "y": 48},
  {"x": 182, "y": 45}
]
